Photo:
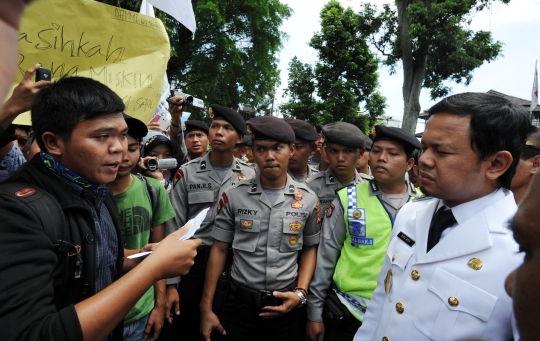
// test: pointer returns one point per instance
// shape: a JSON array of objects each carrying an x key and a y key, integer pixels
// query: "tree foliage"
[
  {"x": 231, "y": 59},
  {"x": 301, "y": 89},
  {"x": 345, "y": 74},
  {"x": 432, "y": 40}
]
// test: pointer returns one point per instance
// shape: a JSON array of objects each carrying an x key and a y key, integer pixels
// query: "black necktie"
[{"x": 442, "y": 220}]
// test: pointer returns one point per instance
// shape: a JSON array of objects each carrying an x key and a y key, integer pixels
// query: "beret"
[
  {"x": 368, "y": 141},
  {"x": 192, "y": 125},
  {"x": 408, "y": 140},
  {"x": 345, "y": 134},
  {"x": 230, "y": 115},
  {"x": 270, "y": 127},
  {"x": 152, "y": 139},
  {"x": 136, "y": 127},
  {"x": 247, "y": 140},
  {"x": 303, "y": 130},
  {"x": 318, "y": 128}
]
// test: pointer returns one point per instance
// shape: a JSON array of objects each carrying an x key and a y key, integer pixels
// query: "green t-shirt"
[{"x": 136, "y": 219}]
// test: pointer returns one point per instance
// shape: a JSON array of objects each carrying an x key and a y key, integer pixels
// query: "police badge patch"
[{"x": 357, "y": 228}]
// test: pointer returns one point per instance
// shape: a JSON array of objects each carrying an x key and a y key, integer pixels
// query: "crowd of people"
[{"x": 312, "y": 233}]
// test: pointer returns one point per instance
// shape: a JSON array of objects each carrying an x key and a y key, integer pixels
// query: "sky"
[{"x": 516, "y": 25}]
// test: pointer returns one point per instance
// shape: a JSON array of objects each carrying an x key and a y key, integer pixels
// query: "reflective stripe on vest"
[{"x": 368, "y": 230}]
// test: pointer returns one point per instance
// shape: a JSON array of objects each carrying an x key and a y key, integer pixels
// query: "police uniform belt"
[{"x": 259, "y": 298}]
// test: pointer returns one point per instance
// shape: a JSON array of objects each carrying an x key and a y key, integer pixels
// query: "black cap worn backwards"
[
  {"x": 344, "y": 134},
  {"x": 270, "y": 128},
  {"x": 408, "y": 140},
  {"x": 303, "y": 130},
  {"x": 136, "y": 127},
  {"x": 230, "y": 115},
  {"x": 193, "y": 125}
]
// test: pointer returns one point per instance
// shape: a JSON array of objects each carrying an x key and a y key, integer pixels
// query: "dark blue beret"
[
  {"x": 408, "y": 140},
  {"x": 303, "y": 130},
  {"x": 193, "y": 125},
  {"x": 344, "y": 134},
  {"x": 230, "y": 115},
  {"x": 271, "y": 128}
]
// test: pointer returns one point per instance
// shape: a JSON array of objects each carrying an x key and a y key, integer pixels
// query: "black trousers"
[
  {"x": 186, "y": 326},
  {"x": 242, "y": 323}
]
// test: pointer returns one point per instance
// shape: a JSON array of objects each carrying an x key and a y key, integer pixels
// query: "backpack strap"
[
  {"x": 152, "y": 193},
  {"x": 50, "y": 214}
]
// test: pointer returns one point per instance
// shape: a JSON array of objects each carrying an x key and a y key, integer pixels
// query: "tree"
[
  {"x": 346, "y": 71},
  {"x": 301, "y": 89},
  {"x": 432, "y": 41},
  {"x": 231, "y": 60}
]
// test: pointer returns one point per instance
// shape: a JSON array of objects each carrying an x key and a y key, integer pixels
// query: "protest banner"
[{"x": 127, "y": 51}]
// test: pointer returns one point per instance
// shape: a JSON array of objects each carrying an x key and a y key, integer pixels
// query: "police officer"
[
  {"x": 196, "y": 139},
  {"x": 269, "y": 220},
  {"x": 197, "y": 185},
  {"x": 316, "y": 158},
  {"x": 362, "y": 165},
  {"x": 305, "y": 144},
  {"x": 344, "y": 144},
  {"x": 355, "y": 232}
]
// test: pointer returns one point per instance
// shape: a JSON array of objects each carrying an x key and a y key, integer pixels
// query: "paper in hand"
[{"x": 194, "y": 225}]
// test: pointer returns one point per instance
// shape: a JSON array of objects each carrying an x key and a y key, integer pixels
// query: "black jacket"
[{"x": 38, "y": 291}]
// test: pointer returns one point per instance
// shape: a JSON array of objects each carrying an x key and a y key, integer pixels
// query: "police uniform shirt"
[
  {"x": 325, "y": 185},
  {"x": 365, "y": 176},
  {"x": 310, "y": 173},
  {"x": 196, "y": 187},
  {"x": 333, "y": 235},
  {"x": 266, "y": 238}
]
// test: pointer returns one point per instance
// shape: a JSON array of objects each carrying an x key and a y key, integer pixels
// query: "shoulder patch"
[
  {"x": 177, "y": 176},
  {"x": 330, "y": 210},
  {"x": 25, "y": 192},
  {"x": 224, "y": 200}
]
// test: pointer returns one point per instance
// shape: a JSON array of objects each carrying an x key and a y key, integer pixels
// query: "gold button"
[
  {"x": 385, "y": 339},
  {"x": 400, "y": 308},
  {"x": 415, "y": 274},
  {"x": 393, "y": 258},
  {"x": 475, "y": 263},
  {"x": 453, "y": 301}
]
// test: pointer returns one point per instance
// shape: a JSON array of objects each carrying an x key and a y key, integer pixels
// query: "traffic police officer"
[
  {"x": 305, "y": 144},
  {"x": 269, "y": 220},
  {"x": 355, "y": 236},
  {"x": 197, "y": 185},
  {"x": 344, "y": 143}
]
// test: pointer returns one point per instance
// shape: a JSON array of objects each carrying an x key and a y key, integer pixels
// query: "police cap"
[
  {"x": 368, "y": 141},
  {"x": 230, "y": 115},
  {"x": 271, "y": 128},
  {"x": 303, "y": 130},
  {"x": 193, "y": 125},
  {"x": 344, "y": 134},
  {"x": 408, "y": 140}
]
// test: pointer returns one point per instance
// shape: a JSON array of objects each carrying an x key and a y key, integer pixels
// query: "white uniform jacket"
[{"x": 454, "y": 292}]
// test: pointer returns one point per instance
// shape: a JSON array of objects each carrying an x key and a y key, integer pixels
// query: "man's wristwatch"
[{"x": 303, "y": 298}]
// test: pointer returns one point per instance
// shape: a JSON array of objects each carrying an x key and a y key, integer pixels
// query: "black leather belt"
[{"x": 259, "y": 298}]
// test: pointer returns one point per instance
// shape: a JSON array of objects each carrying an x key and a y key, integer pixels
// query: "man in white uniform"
[{"x": 444, "y": 271}]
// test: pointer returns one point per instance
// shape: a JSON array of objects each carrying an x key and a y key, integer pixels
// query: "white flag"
[
  {"x": 162, "y": 107},
  {"x": 181, "y": 10},
  {"x": 534, "y": 94}
]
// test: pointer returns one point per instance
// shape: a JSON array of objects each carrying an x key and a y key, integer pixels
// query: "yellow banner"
[{"x": 124, "y": 50}]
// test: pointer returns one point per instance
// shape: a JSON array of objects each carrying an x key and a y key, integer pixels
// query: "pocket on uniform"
[
  {"x": 201, "y": 197},
  {"x": 399, "y": 253},
  {"x": 465, "y": 308},
  {"x": 246, "y": 234},
  {"x": 291, "y": 239}
]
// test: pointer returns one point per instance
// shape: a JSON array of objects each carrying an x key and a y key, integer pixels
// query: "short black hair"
[
  {"x": 411, "y": 153},
  {"x": 58, "y": 107},
  {"x": 496, "y": 124}
]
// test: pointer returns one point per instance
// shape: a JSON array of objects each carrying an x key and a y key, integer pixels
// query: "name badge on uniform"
[
  {"x": 406, "y": 239},
  {"x": 357, "y": 221}
]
